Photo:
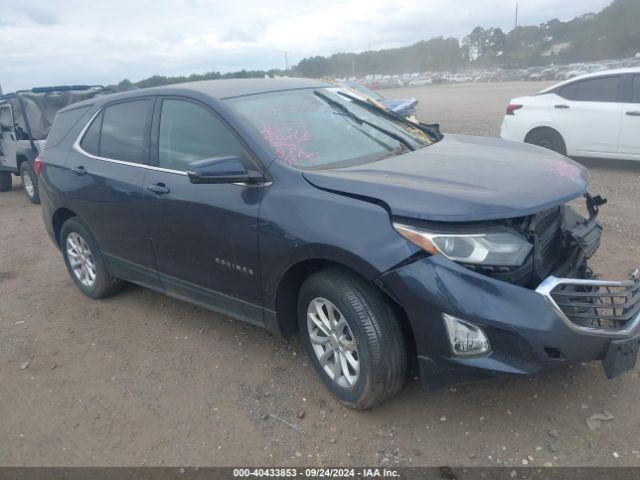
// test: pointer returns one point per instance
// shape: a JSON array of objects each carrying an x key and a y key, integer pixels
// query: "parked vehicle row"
[
  {"x": 594, "y": 115},
  {"x": 537, "y": 73},
  {"x": 304, "y": 208}
]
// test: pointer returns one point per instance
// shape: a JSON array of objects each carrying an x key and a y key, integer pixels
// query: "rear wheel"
[
  {"x": 29, "y": 182},
  {"x": 84, "y": 261},
  {"x": 547, "y": 138},
  {"x": 352, "y": 337},
  {"x": 5, "y": 181}
]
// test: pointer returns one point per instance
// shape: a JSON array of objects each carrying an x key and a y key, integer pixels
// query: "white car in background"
[{"x": 594, "y": 115}]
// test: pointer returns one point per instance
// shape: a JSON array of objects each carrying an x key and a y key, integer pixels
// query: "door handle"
[
  {"x": 634, "y": 113},
  {"x": 80, "y": 170},
  {"x": 158, "y": 188},
  {"x": 561, "y": 106}
]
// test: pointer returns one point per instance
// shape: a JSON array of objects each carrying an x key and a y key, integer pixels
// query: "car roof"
[
  {"x": 218, "y": 89},
  {"x": 601, "y": 73}
]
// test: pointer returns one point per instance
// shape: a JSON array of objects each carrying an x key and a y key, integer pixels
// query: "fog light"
[{"x": 466, "y": 338}]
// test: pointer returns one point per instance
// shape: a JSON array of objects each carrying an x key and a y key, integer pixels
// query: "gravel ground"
[{"x": 142, "y": 379}]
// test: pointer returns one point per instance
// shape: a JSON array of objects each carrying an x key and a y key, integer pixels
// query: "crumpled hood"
[{"x": 462, "y": 178}]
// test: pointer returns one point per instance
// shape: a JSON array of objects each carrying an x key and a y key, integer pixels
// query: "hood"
[
  {"x": 462, "y": 178},
  {"x": 400, "y": 105}
]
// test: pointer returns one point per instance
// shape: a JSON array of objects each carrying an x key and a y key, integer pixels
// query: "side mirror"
[{"x": 227, "y": 169}]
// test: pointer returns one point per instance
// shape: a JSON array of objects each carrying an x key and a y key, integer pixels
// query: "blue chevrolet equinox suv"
[{"x": 308, "y": 209}]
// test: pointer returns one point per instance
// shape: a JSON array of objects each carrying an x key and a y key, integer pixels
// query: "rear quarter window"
[{"x": 63, "y": 123}]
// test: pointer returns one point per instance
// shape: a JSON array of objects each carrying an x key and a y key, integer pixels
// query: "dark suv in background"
[{"x": 304, "y": 208}]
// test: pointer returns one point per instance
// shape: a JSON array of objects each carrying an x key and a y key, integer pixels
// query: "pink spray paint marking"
[{"x": 286, "y": 140}]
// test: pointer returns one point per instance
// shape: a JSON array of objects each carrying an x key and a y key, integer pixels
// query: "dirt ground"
[{"x": 142, "y": 379}]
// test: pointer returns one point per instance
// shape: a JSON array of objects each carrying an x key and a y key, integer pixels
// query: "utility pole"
[
  {"x": 516, "y": 26},
  {"x": 286, "y": 62}
]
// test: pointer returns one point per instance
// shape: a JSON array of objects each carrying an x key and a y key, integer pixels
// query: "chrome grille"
[{"x": 594, "y": 305}]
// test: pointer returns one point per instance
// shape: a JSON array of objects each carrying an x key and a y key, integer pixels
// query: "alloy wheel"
[
  {"x": 333, "y": 342},
  {"x": 81, "y": 259}
]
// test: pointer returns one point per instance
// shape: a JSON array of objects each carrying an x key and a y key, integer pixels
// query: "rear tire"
[
  {"x": 5, "y": 181},
  {"x": 30, "y": 182},
  {"x": 353, "y": 338},
  {"x": 84, "y": 261},
  {"x": 547, "y": 138}
]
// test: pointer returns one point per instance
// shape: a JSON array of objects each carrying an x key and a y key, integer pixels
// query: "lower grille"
[{"x": 594, "y": 305}]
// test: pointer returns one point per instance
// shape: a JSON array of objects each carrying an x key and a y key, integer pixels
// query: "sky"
[{"x": 101, "y": 42}]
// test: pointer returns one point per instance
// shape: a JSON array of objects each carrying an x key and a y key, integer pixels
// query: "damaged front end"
[
  {"x": 563, "y": 241},
  {"x": 537, "y": 313}
]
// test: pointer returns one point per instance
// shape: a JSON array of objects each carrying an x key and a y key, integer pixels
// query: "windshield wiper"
[
  {"x": 342, "y": 108},
  {"x": 432, "y": 130}
]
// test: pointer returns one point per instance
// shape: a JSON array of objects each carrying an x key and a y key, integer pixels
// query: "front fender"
[{"x": 300, "y": 222}]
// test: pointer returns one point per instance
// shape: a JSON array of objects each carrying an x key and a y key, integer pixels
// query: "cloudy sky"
[{"x": 84, "y": 41}]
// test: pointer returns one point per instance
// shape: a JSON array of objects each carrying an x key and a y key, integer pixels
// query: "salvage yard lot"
[{"x": 142, "y": 379}]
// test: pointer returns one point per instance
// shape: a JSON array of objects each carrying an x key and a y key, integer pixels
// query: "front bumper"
[{"x": 526, "y": 329}]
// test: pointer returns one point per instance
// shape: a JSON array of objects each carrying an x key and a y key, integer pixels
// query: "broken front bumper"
[{"x": 560, "y": 323}]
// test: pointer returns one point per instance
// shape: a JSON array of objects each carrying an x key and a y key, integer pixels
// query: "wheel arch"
[
  {"x": 544, "y": 127},
  {"x": 20, "y": 159},
  {"x": 288, "y": 288},
  {"x": 58, "y": 218}
]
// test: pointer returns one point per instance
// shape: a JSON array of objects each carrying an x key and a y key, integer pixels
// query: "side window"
[
  {"x": 123, "y": 128},
  {"x": 90, "y": 142},
  {"x": 569, "y": 92},
  {"x": 602, "y": 89},
  {"x": 190, "y": 132},
  {"x": 636, "y": 89}
]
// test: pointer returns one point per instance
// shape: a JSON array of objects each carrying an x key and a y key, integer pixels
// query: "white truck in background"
[{"x": 25, "y": 119}]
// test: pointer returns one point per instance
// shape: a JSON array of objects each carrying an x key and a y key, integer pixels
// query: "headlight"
[{"x": 500, "y": 248}]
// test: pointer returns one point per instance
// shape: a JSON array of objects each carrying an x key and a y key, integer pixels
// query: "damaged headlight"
[{"x": 499, "y": 248}]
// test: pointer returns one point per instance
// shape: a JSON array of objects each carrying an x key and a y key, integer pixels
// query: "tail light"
[
  {"x": 37, "y": 165},
  {"x": 512, "y": 107}
]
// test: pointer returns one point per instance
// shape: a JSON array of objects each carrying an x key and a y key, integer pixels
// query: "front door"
[
  {"x": 630, "y": 131},
  {"x": 205, "y": 236}
]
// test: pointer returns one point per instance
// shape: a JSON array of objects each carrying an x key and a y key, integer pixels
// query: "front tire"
[
  {"x": 547, "y": 138},
  {"x": 353, "y": 338},
  {"x": 84, "y": 261},
  {"x": 5, "y": 181},
  {"x": 30, "y": 182}
]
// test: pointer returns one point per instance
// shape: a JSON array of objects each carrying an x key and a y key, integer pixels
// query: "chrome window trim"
[
  {"x": 547, "y": 286},
  {"x": 79, "y": 149},
  {"x": 76, "y": 146}
]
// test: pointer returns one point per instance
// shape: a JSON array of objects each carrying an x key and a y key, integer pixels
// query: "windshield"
[{"x": 315, "y": 129}]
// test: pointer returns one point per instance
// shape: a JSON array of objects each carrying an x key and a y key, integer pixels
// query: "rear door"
[
  {"x": 589, "y": 114},
  {"x": 205, "y": 236},
  {"x": 104, "y": 179},
  {"x": 630, "y": 132}
]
